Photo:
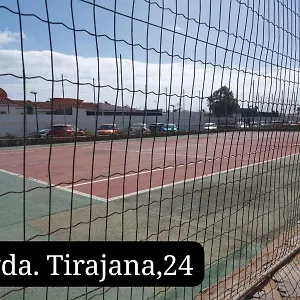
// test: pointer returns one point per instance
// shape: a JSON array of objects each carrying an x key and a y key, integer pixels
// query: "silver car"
[
  {"x": 43, "y": 132},
  {"x": 139, "y": 128},
  {"x": 210, "y": 126}
]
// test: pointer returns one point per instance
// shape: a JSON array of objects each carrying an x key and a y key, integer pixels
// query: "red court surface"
[{"x": 120, "y": 169}]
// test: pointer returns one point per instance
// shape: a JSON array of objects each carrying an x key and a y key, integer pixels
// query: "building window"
[
  {"x": 61, "y": 111},
  {"x": 126, "y": 113}
]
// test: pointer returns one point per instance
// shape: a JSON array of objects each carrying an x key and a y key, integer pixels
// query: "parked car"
[
  {"x": 64, "y": 130},
  {"x": 228, "y": 126},
  {"x": 39, "y": 134},
  {"x": 139, "y": 128},
  {"x": 290, "y": 125},
  {"x": 241, "y": 125},
  {"x": 169, "y": 127},
  {"x": 43, "y": 132},
  {"x": 156, "y": 127},
  {"x": 264, "y": 124},
  {"x": 277, "y": 124},
  {"x": 107, "y": 129},
  {"x": 255, "y": 124},
  {"x": 210, "y": 126}
]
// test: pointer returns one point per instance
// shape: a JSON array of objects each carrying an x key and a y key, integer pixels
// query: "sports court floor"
[
  {"x": 119, "y": 169},
  {"x": 219, "y": 189}
]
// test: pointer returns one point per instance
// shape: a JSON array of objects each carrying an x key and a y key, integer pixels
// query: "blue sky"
[
  {"x": 60, "y": 11},
  {"x": 270, "y": 24},
  {"x": 216, "y": 16}
]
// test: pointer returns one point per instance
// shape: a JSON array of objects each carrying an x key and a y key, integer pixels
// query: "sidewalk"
[{"x": 284, "y": 284}]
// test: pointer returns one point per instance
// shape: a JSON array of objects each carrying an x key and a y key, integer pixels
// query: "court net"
[{"x": 153, "y": 120}]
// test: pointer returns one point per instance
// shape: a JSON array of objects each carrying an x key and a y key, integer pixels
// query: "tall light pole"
[
  {"x": 36, "y": 114},
  {"x": 173, "y": 113},
  {"x": 122, "y": 93}
]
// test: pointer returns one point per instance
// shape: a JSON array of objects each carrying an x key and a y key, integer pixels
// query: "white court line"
[
  {"x": 90, "y": 144},
  {"x": 57, "y": 187},
  {"x": 97, "y": 147},
  {"x": 207, "y": 159},
  {"x": 142, "y": 151},
  {"x": 87, "y": 145},
  {"x": 176, "y": 154},
  {"x": 156, "y": 153},
  {"x": 146, "y": 190},
  {"x": 140, "y": 173},
  {"x": 42, "y": 148},
  {"x": 196, "y": 178},
  {"x": 113, "y": 150},
  {"x": 118, "y": 177}
]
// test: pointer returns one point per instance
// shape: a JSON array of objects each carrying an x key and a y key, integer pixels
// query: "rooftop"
[{"x": 61, "y": 103}]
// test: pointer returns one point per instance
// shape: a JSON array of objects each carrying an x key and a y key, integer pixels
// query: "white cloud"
[
  {"x": 38, "y": 63},
  {"x": 7, "y": 37}
]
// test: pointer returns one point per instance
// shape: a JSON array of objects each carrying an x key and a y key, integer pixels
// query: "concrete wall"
[
  {"x": 14, "y": 124},
  {"x": 5, "y": 109}
]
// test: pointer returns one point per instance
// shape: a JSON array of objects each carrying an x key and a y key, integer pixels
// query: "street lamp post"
[
  {"x": 36, "y": 114},
  {"x": 173, "y": 113}
]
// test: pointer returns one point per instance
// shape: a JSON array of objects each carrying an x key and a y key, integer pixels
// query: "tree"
[
  {"x": 29, "y": 109},
  {"x": 222, "y": 102}
]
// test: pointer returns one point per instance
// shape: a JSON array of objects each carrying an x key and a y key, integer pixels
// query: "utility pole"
[
  {"x": 122, "y": 94},
  {"x": 173, "y": 113},
  {"x": 63, "y": 94},
  {"x": 145, "y": 107},
  {"x": 183, "y": 110},
  {"x": 36, "y": 114},
  {"x": 62, "y": 85}
]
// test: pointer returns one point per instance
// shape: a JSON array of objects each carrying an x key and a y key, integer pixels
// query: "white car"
[
  {"x": 139, "y": 128},
  {"x": 43, "y": 132},
  {"x": 241, "y": 125},
  {"x": 40, "y": 134},
  {"x": 210, "y": 126}
]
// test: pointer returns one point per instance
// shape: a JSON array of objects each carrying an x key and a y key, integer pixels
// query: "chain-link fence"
[{"x": 152, "y": 120}]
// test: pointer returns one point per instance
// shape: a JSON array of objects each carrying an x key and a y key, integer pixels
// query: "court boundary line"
[
  {"x": 91, "y": 146},
  {"x": 196, "y": 178},
  {"x": 67, "y": 188},
  {"x": 83, "y": 144},
  {"x": 140, "y": 192},
  {"x": 120, "y": 176},
  {"x": 134, "y": 173},
  {"x": 86, "y": 146},
  {"x": 137, "y": 173},
  {"x": 57, "y": 187}
]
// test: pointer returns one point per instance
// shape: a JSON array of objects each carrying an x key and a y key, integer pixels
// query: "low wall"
[
  {"x": 15, "y": 124},
  {"x": 19, "y": 141}
]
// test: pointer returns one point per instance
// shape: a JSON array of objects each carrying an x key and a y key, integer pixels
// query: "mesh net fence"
[{"x": 152, "y": 121}]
